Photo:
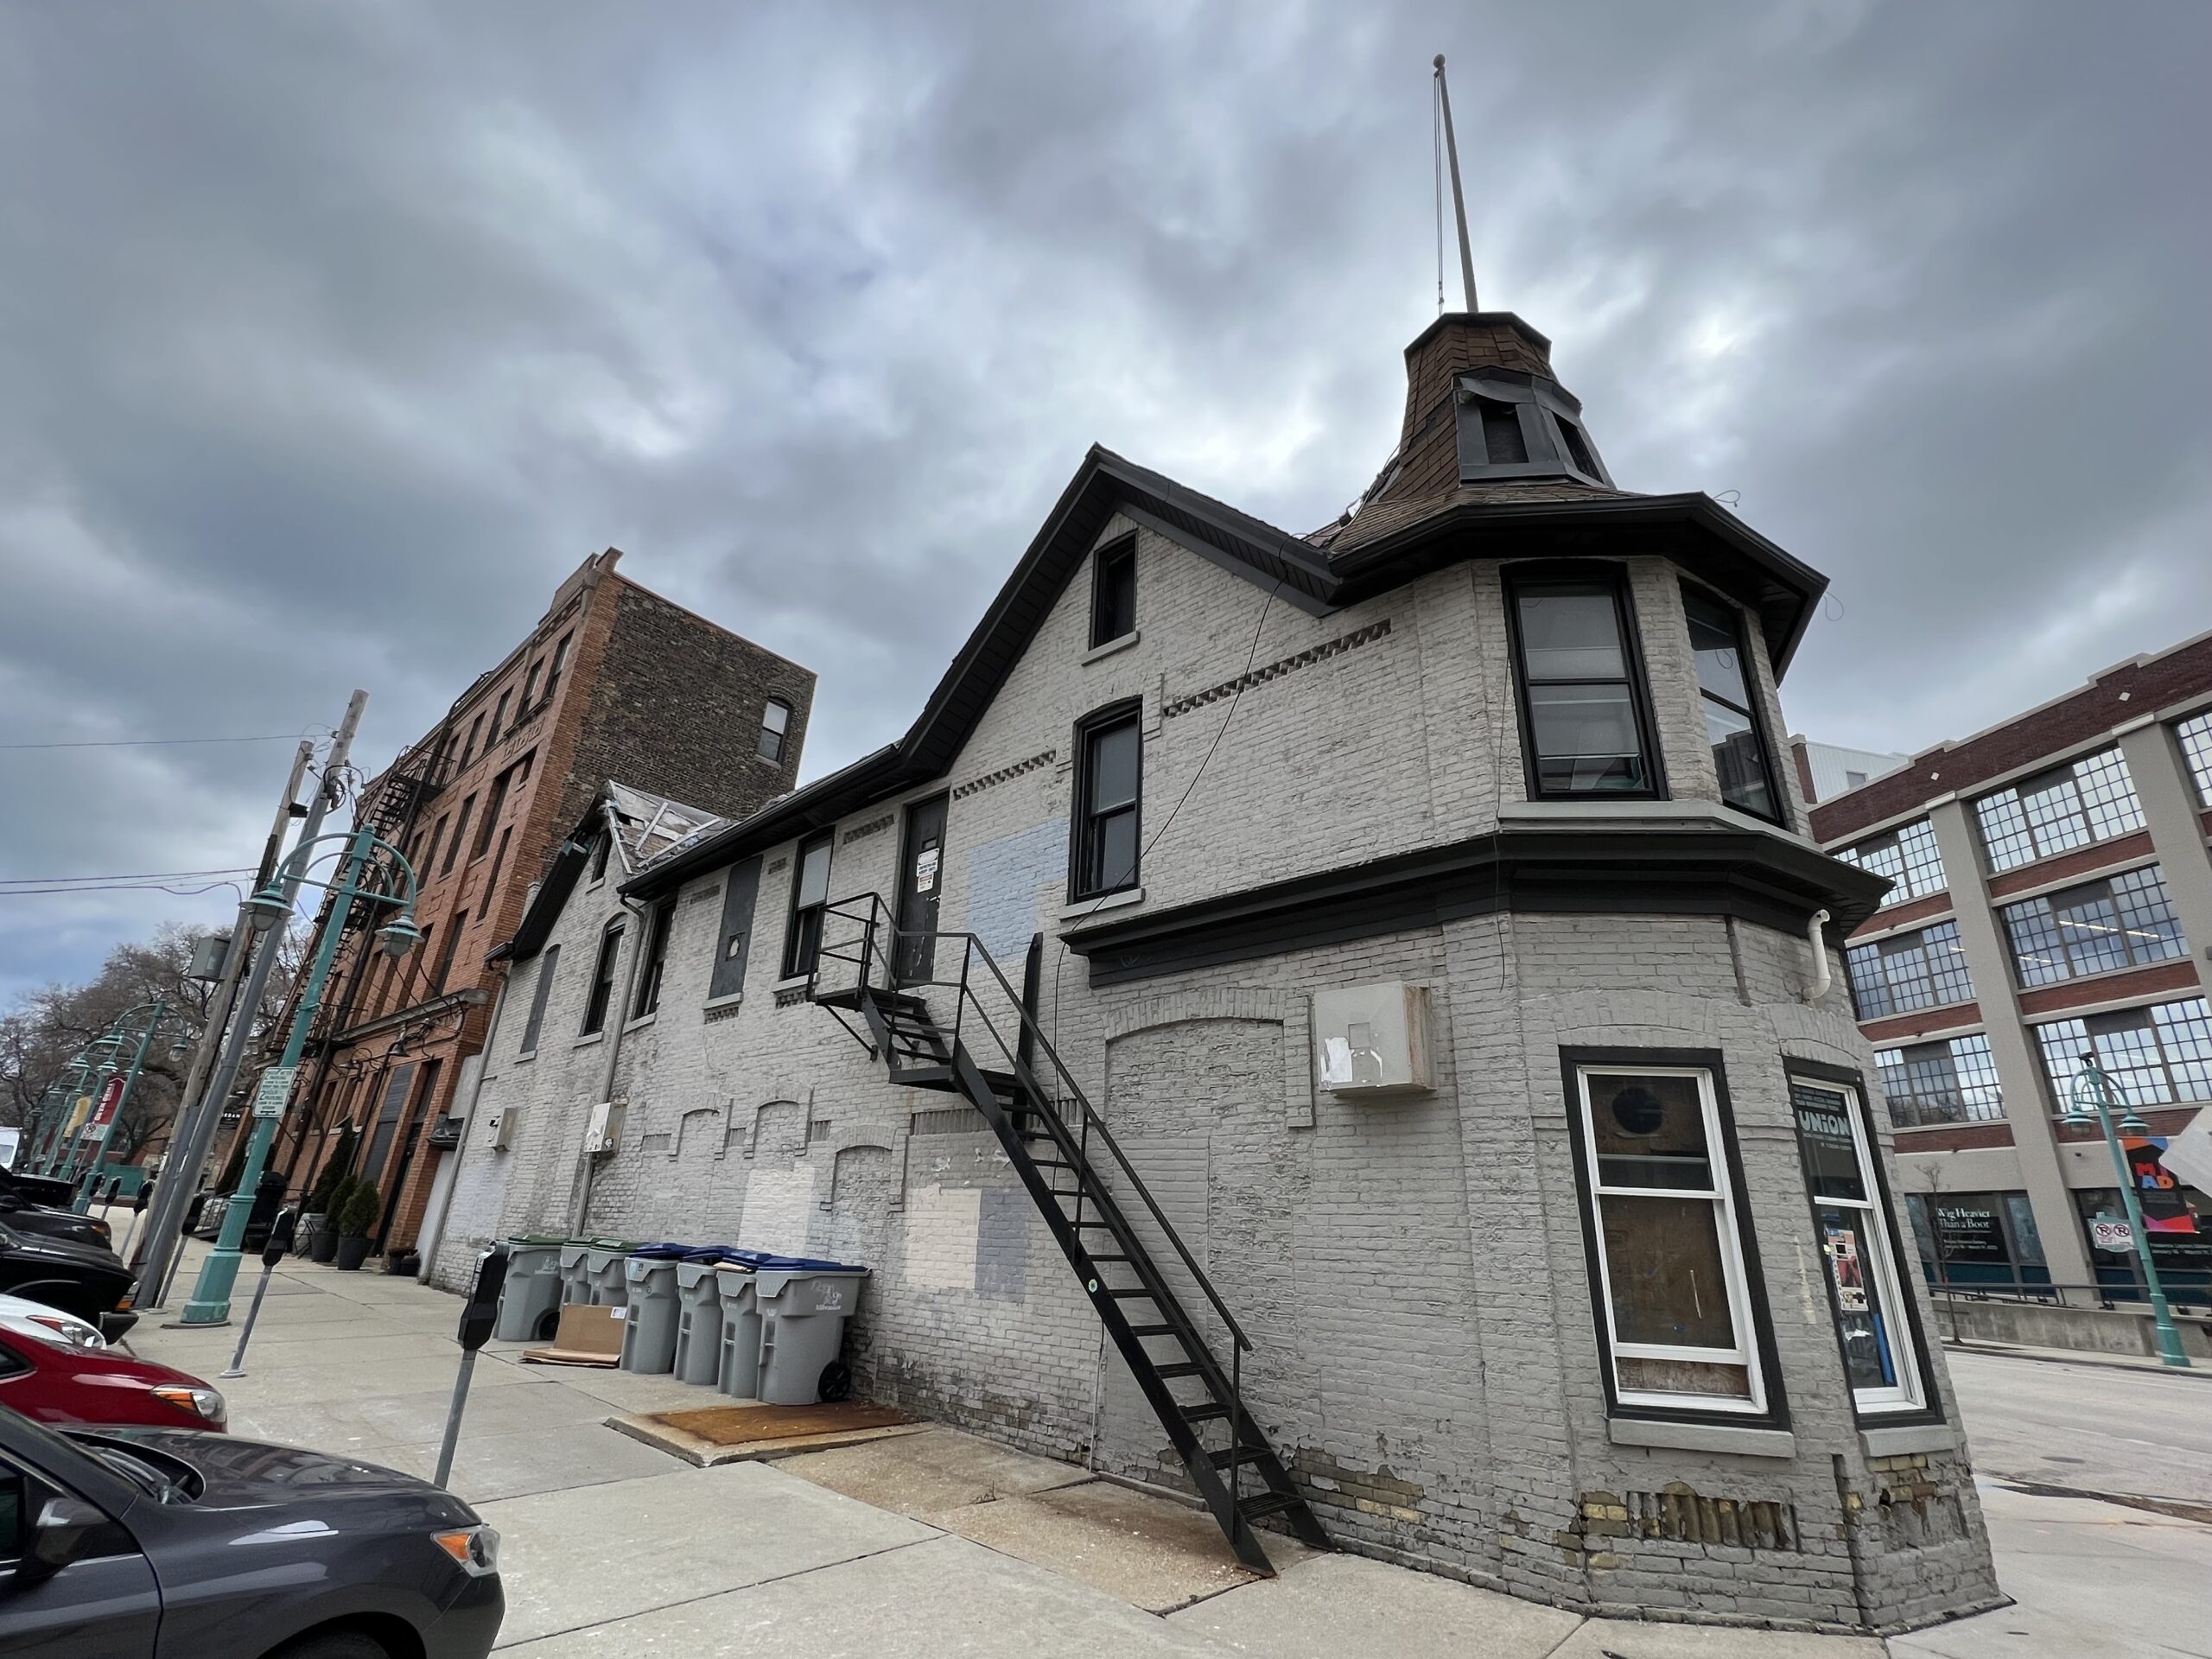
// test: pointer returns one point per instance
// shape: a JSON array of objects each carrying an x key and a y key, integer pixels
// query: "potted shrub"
[
  {"x": 363, "y": 1204},
  {"x": 322, "y": 1244}
]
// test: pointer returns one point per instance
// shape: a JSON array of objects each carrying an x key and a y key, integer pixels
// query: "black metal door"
[{"x": 921, "y": 879}]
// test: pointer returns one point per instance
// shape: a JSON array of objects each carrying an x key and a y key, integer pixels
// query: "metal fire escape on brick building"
[{"x": 1089, "y": 1196}]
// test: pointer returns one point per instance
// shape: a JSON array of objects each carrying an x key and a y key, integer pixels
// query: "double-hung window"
[
  {"x": 1907, "y": 855},
  {"x": 809, "y": 897},
  {"x": 602, "y": 981},
  {"x": 1113, "y": 592},
  {"x": 1583, "y": 716},
  {"x": 2120, "y": 921},
  {"x": 1922, "y": 969},
  {"x": 647, "y": 1000},
  {"x": 1109, "y": 763},
  {"x": 1873, "y": 1318},
  {"x": 1675, "y": 1306},
  {"x": 2087, "y": 800},
  {"x": 775, "y": 729},
  {"x": 1731, "y": 719}
]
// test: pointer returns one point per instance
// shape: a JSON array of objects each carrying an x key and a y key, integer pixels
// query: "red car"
[{"x": 54, "y": 1382}]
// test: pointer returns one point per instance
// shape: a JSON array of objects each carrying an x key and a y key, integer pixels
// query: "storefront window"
[
  {"x": 1973, "y": 1239},
  {"x": 1871, "y": 1319},
  {"x": 2176, "y": 1218}
]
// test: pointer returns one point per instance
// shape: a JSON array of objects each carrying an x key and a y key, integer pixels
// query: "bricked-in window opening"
[
  {"x": 1873, "y": 1325},
  {"x": 1950, "y": 1082},
  {"x": 602, "y": 982},
  {"x": 1922, "y": 969},
  {"x": 2152, "y": 1056},
  {"x": 1673, "y": 1300},
  {"x": 810, "y": 895},
  {"x": 1502, "y": 438},
  {"x": 546, "y": 965},
  {"x": 1109, "y": 768},
  {"x": 2087, "y": 800},
  {"x": 775, "y": 729},
  {"x": 1584, "y": 717},
  {"x": 2099, "y": 927},
  {"x": 2195, "y": 736},
  {"x": 1732, "y": 720},
  {"x": 460, "y": 835},
  {"x": 1908, "y": 856},
  {"x": 662, "y": 923},
  {"x": 1113, "y": 592}
]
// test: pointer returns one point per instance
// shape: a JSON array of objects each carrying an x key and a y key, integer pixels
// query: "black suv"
[
  {"x": 148, "y": 1544},
  {"x": 27, "y": 1203}
]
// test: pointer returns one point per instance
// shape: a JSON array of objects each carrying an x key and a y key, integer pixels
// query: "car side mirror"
[{"x": 58, "y": 1533}]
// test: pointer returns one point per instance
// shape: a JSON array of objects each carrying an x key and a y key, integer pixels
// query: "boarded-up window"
[{"x": 732, "y": 939}]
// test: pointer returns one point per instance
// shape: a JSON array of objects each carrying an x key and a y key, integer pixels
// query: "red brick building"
[
  {"x": 613, "y": 680},
  {"x": 2051, "y": 896}
]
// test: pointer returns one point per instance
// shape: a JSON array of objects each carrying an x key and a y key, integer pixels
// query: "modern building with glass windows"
[{"x": 2050, "y": 898}]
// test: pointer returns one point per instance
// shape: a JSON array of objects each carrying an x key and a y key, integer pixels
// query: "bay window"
[
  {"x": 1740, "y": 756},
  {"x": 1584, "y": 723}
]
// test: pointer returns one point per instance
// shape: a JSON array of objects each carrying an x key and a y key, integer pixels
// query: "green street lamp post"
[
  {"x": 211, "y": 1294},
  {"x": 156, "y": 1012},
  {"x": 88, "y": 1068},
  {"x": 2089, "y": 1103}
]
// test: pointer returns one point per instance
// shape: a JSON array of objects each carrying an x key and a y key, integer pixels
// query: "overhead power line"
[{"x": 153, "y": 743}]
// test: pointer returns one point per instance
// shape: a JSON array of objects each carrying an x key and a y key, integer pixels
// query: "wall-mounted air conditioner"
[
  {"x": 603, "y": 1132},
  {"x": 1373, "y": 1041}
]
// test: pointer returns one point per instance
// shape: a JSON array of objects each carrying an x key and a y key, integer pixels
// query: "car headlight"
[
  {"x": 75, "y": 1333},
  {"x": 475, "y": 1549},
  {"x": 203, "y": 1403}
]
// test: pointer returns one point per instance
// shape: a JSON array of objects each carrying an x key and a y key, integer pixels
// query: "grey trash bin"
[
  {"x": 603, "y": 1271},
  {"x": 803, "y": 1314},
  {"x": 531, "y": 1295},
  {"x": 737, "y": 1366},
  {"x": 698, "y": 1322},
  {"x": 576, "y": 1272},
  {"x": 649, "y": 1333}
]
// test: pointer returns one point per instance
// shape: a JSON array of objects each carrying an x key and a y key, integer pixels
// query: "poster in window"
[
  {"x": 925, "y": 864},
  {"x": 2158, "y": 1190},
  {"x": 1849, "y": 1269},
  {"x": 1968, "y": 1232}
]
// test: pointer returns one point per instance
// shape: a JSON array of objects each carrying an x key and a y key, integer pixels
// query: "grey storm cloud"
[{"x": 332, "y": 337}]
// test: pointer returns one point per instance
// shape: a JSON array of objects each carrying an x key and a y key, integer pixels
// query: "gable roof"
[{"x": 1693, "y": 530}]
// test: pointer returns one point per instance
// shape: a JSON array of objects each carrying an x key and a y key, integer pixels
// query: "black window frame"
[
  {"x": 460, "y": 835},
  {"x": 1518, "y": 579},
  {"x": 605, "y": 969},
  {"x": 1755, "y": 713},
  {"x": 534, "y": 1026},
  {"x": 1929, "y": 1409},
  {"x": 782, "y": 738},
  {"x": 602, "y": 848},
  {"x": 454, "y": 928},
  {"x": 803, "y": 923},
  {"x": 1083, "y": 821},
  {"x": 1113, "y": 566},
  {"x": 660, "y": 923},
  {"x": 1574, "y": 1060}
]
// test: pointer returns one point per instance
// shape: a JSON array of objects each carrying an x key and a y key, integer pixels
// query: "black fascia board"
[
  {"x": 1559, "y": 868},
  {"x": 560, "y": 881},
  {"x": 821, "y": 802},
  {"x": 1692, "y": 529}
]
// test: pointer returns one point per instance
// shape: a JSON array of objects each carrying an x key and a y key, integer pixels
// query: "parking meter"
[
  {"x": 477, "y": 1318},
  {"x": 483, "y": 1307},
  {"x": 280, "y": 1237}
]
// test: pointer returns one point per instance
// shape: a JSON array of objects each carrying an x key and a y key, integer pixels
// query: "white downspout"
[
  {"x": 1819, "y": 987},
  {"x": 434, "y": 1234},
  {"x": 633, "y": 943}
]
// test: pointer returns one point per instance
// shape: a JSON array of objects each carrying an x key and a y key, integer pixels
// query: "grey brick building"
[{"x": 1407, "y": 935}]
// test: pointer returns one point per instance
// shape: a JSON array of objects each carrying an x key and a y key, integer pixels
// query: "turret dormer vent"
[{"x": 1516, "y": 424}]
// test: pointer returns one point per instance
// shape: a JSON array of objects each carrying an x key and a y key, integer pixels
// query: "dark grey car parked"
[{"x": 126, "y": 1544}]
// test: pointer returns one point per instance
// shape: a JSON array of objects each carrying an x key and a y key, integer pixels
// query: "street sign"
[
  {"x": 2111, "y": 1233},
  {"x": 276, "y": 1090},
  {"x": 110, "y": 1097}
]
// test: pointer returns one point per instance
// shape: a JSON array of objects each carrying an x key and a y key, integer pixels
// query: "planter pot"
[
  {"x": 401, "y": 1264},
  {"x": 323, "y": 1247},
  {"x": 352, "y": 1252}
]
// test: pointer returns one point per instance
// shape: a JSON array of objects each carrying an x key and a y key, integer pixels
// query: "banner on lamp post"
[{"x": 103, "y": 1110}]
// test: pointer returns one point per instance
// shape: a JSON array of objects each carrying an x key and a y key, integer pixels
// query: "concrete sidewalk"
[{"x": 938, "y": 1542}]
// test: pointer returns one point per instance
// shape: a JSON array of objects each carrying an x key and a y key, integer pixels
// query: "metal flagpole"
[{"x": 1458, "y": 202}]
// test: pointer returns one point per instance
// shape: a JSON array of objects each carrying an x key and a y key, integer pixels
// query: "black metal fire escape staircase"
[{"x": 1064, "y": 1154}]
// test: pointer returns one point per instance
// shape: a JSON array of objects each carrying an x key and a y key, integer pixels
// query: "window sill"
[
  {"x": 1741, "y": 1442},
  {"x": 526, "y": 1058},
  {"x": 728, "y": 1002},
  {"x": 641, "y": 1021},
  {"x": 588, "y": 1038},
  {"x": 1906, "y": 1439},
  {"x": 792, "y": 982},
  {"x": 1098, "y": 653},
  {"x": 1083, "y": 909}
]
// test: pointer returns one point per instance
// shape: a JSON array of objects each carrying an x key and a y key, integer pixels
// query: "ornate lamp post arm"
[{"x": 2090, "y": 1101}]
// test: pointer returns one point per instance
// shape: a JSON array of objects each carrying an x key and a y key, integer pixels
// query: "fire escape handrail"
[{"x": 872, "y": 917}]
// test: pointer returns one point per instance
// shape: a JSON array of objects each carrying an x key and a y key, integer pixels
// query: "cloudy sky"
[{"x": 332, "y": 337}]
